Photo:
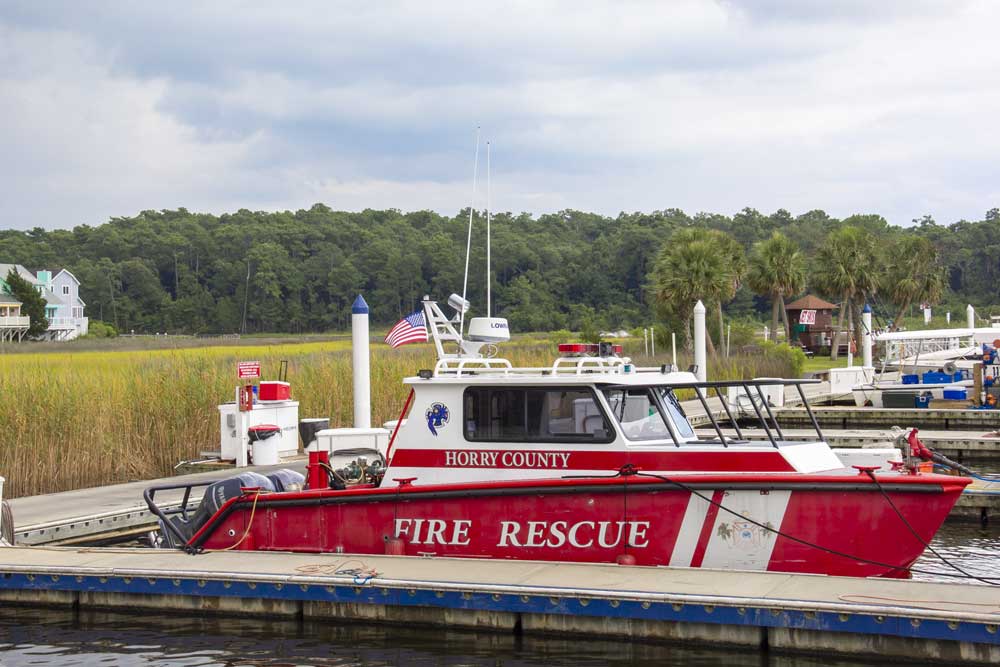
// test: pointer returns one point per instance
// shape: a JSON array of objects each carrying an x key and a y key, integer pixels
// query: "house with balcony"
[
  {"x": 13, "y": 324},
  {"x": 64, "y": 307}
]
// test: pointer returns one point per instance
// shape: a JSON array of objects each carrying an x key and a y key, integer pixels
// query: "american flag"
[{"x": 410, "y": 329}]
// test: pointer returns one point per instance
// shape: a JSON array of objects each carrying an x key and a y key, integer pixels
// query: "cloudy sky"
[{"x": 108, "y": 108}]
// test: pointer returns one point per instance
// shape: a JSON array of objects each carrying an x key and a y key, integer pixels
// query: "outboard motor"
[{"x": 216, "y": 495}]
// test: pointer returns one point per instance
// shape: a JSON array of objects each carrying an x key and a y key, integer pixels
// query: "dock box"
[
  {"x": 274, "y": 391},
  {"x": 934, "y": 377},
  {"x": 911, "y": 379},
  {"x": 955, "y": 394},
  {"x": 922, "y": 401},
  {"x": 899, "y": 399}
]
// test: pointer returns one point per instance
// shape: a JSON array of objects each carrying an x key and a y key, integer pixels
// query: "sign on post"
[
  {"x": 807, "y": 317},
  {"x": 247, "y": 369}
]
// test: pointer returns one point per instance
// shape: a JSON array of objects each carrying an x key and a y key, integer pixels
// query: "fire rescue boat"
[{"x": 591, "y": 459}]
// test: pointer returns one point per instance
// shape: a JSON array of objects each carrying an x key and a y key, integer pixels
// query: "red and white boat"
[{"x": 590, "y": 459}]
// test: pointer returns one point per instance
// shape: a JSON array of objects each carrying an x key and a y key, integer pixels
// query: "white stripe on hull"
[
  {"x": 687, "y": 537},
  {"x": 738, "y": 544}
]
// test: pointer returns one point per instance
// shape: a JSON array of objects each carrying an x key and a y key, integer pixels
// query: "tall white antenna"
[
  {"x": 468, "y": 241},
  {"x": 489, "y": 310}
]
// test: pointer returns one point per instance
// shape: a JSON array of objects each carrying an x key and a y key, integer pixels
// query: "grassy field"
[{"x": 81, "y": 417}]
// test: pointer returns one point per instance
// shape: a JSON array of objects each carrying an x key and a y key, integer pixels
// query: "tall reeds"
[{"x": 72, "y": 420}]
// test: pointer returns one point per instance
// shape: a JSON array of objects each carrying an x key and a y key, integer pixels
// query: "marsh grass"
[{"x": 76, "y": 419}]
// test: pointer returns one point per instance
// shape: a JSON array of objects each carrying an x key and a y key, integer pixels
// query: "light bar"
[{"x": 601, "y": 349}]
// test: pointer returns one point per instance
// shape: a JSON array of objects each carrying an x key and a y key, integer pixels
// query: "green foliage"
[
  {"x": 777, "y": 269},
  {"x": 782, "y": 353},
  {"x": 32, "y": 303},
  {"x": 99, "y": 329},
  {"x": 589, "y": 332},
  {"x": 185, "y": 272},
  {"x": 560, "y": 336},
  {"x": 742, "y": 332}
]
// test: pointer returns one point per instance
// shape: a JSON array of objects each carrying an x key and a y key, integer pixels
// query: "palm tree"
[
  {"x": 735, "y": 260},
  {"x": 777, "y": 269},
  {"x": 912, "y": 274},
  {"x": 847, "y": 265},
  {"x": 690, "y": 267}
]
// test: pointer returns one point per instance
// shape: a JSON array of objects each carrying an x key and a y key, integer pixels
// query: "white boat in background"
[{"x": 929, "y": 355}]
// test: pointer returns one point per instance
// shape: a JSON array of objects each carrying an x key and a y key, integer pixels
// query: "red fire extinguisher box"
[{"x": 274, "y": 391}]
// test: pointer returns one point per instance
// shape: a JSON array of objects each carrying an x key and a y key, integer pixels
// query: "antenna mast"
[
  {"x": 468, "y": 241},
  {"x": 489, "y": 310}
]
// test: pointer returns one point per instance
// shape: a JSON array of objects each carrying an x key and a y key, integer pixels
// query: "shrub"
[
  {"x": 560, "y": 336},
  {"x": 99, "y": 329}
]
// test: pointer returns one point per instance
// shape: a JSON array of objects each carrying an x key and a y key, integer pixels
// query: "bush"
[
  {"x": 794, "y": 357},
  {"x": 560, "y": 336},
  {"x": 99, "y": 329}
]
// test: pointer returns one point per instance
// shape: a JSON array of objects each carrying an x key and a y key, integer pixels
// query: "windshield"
[
  {"x": 676, "y": 412},
  {"x": 635, "y": 409}
]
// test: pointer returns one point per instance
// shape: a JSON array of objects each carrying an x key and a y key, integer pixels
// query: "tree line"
[{"x": 182, "y": 272}]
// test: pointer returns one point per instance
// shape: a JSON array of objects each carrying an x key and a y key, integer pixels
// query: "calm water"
[{"x": 33, "y": 637}]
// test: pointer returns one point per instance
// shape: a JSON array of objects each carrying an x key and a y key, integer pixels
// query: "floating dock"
[
  {"x": 920, "y": 621},
  {"x": 849, "y": 416}
]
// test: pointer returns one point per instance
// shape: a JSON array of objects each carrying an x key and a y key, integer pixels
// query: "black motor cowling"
[{"x": 216, "y": 495}]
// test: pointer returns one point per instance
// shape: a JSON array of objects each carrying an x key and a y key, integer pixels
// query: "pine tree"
[{"x": 32, "y": 303}]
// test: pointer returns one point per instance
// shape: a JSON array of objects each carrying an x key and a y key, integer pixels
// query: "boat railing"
[
  {"x": 581, "y": 365},
  {"x": 469, "y": 366}
]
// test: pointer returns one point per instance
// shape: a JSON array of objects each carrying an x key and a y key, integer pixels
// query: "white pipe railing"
[{"x": 15, "y": 322}]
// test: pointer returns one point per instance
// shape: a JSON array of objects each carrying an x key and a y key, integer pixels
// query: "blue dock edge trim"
[{"x": 373, "y": 593}]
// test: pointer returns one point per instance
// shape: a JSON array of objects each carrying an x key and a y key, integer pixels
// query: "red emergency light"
[{"x": 592, "y": 349}]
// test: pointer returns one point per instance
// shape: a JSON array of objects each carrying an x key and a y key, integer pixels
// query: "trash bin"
[{"x": 264, "y": 444}]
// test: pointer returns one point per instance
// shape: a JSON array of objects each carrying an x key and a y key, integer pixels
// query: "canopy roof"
[{"x": 810, "y": 302}]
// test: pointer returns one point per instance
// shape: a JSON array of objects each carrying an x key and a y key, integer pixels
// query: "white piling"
[
  {"x": 673, "y": 350},
  {"x": 927, "y": 315},
  {"x": 970, "y": 316},
  {"x": 729, "y": 334},
  {"x": 766, "y": 332},
  {"x": 360, "y": 359},
  {"x": 700, "y": 357},
  {"x": 645, "y": 340},
  {"x": 866, "y": 337},
  {"x": 947, "y": 317},
  {"x": 652, "y": 341}
]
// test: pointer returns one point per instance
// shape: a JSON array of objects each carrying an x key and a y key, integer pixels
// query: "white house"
[{"x": 64, "y": 307}]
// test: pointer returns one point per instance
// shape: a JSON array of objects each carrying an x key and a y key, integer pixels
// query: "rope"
[
  {"x": 993, "y": 581},
  {"x": 992, "y": 607},
  {"x": 253, "y": 511}
]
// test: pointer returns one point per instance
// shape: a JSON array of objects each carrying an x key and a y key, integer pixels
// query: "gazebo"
[{"x": 811, "y": 320}]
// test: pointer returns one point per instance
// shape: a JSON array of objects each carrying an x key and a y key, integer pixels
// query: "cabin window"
[
  {"x": 676, "y": 412},
  {"x": 531, "y": 414},
  {"x": 635, "y": 409}
]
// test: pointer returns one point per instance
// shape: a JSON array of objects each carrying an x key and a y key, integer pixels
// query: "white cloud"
[{"x": 114, "y": 108}]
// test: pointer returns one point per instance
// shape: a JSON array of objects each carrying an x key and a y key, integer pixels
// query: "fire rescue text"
[{"x": 537, "y": 534}]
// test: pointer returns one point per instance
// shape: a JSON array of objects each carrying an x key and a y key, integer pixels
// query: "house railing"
[
  {"x": 19, "y": 322},
  {"x": 62, "y": 323}
]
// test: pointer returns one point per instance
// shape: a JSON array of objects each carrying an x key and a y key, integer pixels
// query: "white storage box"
[{"x": 233, "y": 426}]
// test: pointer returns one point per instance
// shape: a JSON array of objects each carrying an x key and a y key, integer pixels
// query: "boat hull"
[{"x": 655, "y": 522}]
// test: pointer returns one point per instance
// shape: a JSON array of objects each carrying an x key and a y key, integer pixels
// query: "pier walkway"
[{"x": 921, "y": 621}]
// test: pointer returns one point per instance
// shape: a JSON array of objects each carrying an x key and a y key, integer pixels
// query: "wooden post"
[{"x": 977, "y": 384}]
